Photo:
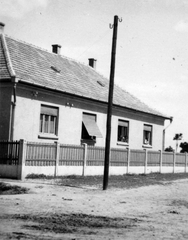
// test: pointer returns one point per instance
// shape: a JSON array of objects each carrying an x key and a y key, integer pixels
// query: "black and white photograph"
[{"x": 94, "y": 119}]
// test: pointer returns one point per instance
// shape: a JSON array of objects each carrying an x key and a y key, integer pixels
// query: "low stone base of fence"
[{"x": 99, "y": 170}]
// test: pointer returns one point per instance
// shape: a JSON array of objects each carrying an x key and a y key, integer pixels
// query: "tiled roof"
[
  {"x": 40, "y": 67},
  {"x": 4, "y": 72}
]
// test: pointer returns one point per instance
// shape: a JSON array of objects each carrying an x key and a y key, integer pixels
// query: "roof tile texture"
[
  {"x": 34, "y": 65},
  {"x": 4, "y": 73}
]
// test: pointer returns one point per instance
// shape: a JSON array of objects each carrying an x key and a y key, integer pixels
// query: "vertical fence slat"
[
  {"x": 41, "y": 154},
  {"x": 128, "y": 159},
  {"x": 161, "y": 160},
  {"x": 9, "y": 152},
  {"x": 174, "y": 162},
  {"x": 146, "y": 161},
  {"x": 137, "y": 157}
]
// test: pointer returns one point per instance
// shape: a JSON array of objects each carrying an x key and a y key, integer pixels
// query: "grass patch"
[
  {"x": 120, "y": 181},
  {"x": 7, "y": 189},
  {"x": 39, "y": 176},
  {"x": 74, "y": 223}
]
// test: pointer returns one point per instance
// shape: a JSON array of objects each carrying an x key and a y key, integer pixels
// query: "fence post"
[
  {"x": 185, "y": 162},
  {"x": 128, "y": 159},
  {"x": 21, "y": 160},
  {"x": 146, "y": 161},
  {"x": 85, "y": 159},
  {"x": 161, "y": 160},
  {"x": 57, "y": 158},
  {"x": 174, "y": 161}
]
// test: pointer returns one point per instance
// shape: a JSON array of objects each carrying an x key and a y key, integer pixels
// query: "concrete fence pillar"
[
  {"x": 21, "y": 160},
  {"x": 161, "y": 161},
  {"x": 146, "y": 161},
  {"x": 57, "y": 159},
  {"x": 128, "y": 159},
  {"x": 85, "y": 159}
]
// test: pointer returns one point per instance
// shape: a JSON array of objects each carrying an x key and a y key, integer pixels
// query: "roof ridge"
[
  {"x": 7, "y": 56},
  {"x": 63, "y": 56},
  {"x": 40, "y": 48},
  {"x": 26, "y": 43}
]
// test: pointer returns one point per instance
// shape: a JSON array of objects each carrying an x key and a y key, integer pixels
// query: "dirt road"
[{"x": 50, "y": 211}]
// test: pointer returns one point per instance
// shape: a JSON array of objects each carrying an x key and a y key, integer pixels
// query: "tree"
[
  {"x": 177, "y": 137},
  {"x": 184, "y": 147},
  {"x": 169, "y": 149}
]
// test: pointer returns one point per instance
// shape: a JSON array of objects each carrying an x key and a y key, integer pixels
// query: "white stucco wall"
[{"x": 27, "y": 119}]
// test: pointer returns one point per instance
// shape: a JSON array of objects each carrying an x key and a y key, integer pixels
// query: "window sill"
[
  {"x": 146, "y": 146},
  {"x": 48, "y": 136},
  {"x": 88, "y": 142},
  {"x": 123, "y": 144}
]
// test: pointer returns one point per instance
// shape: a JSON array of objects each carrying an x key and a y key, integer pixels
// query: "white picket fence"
[{"x": 60, "y": 160}]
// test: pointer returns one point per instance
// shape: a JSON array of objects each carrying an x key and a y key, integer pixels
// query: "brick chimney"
[
  {"x": 92, "y": 62},
  {"x": 56, "y": 48},
  {"x": 2, "y": 27}
]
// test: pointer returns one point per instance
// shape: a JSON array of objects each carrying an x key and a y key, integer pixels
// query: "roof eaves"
[
  {"x": 98, "y": 100},
  {"x": 149, "y": 113},
  {"x": 5, "y": 79}
]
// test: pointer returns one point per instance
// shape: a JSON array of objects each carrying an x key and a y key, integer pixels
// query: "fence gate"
[{"x": 9, "y": 159}]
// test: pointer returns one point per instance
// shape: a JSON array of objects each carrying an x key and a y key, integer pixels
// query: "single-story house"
[{"x": 47, "y": 97}]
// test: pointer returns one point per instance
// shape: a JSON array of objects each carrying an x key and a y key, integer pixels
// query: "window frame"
[
  {"x": 48, "y": 127},
  {"x": 89, "y": 129},
  {"x": 126, "y": 125},
  {"x": 147, "y": 130},
  {"x": 85, "y": 137}
]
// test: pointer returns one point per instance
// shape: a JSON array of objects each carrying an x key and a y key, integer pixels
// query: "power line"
[{"x": 92, "y": 44}]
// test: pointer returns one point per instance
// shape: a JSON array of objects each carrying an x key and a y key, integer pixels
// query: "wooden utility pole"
[{"x": 110, "y": 103}]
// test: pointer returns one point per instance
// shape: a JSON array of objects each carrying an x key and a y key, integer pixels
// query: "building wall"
[
  {"x": 136, "y": 124},
  {"x": 27, "y": 119},
  {"x": 5, "y": 109}
]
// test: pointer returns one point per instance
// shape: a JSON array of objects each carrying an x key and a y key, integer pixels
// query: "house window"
[
  {"x": 123, "y": 131},
  {"x": 147, "y": 140},
  {"x": 90, "y": 130},
  {"x": 48, "y": 120}
]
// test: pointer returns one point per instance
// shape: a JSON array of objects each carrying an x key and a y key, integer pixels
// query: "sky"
[{"x": 152, "y": 44}]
